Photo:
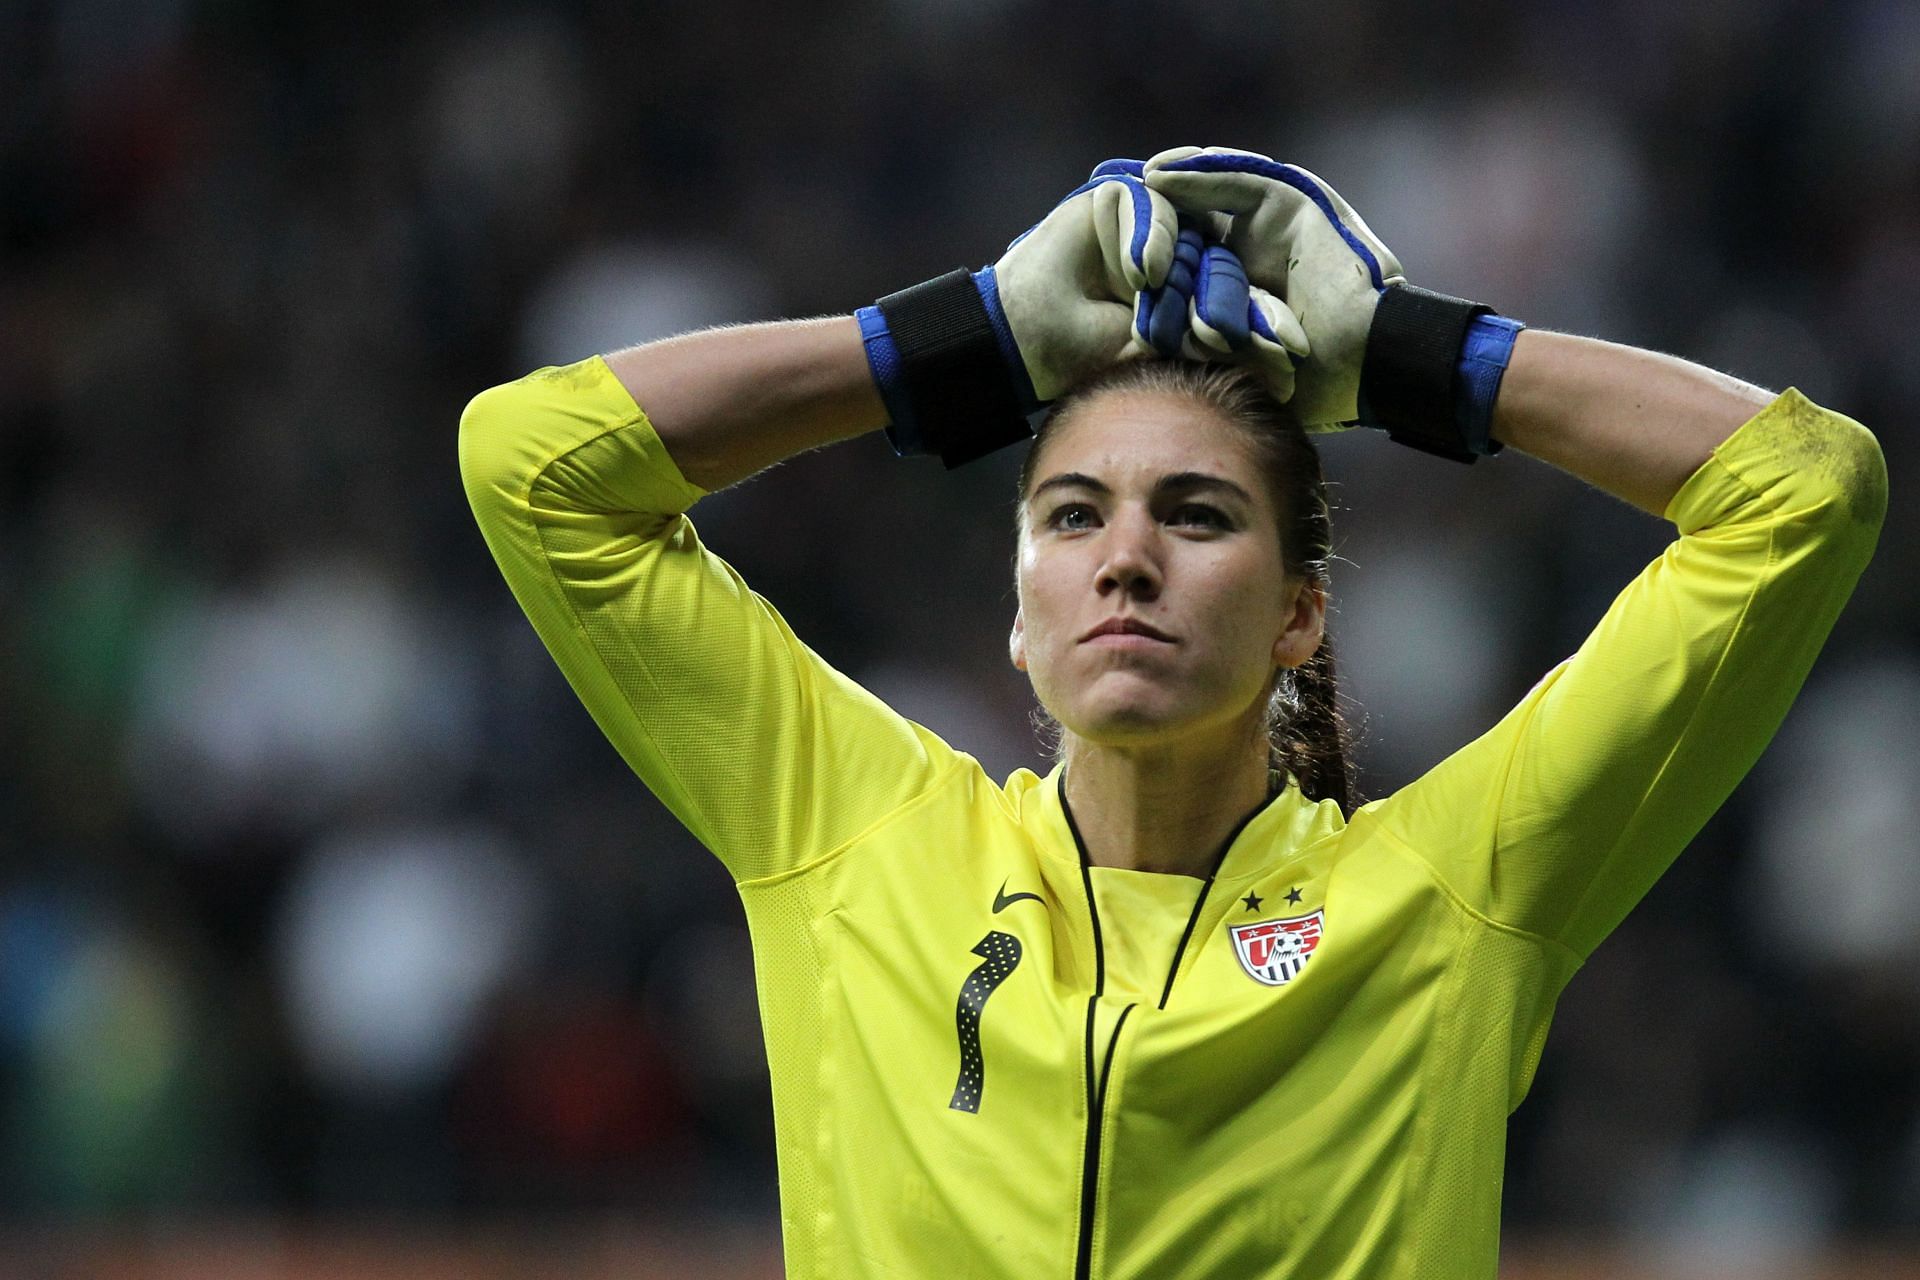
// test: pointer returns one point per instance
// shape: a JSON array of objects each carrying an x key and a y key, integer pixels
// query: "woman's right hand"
[{"x": 1067, "y": 285}]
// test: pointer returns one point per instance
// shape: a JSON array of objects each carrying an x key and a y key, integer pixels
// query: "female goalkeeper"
[{"x": 1179, "y": 1008}]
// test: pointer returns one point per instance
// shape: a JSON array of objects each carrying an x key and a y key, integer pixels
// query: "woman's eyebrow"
[
  {"x": 1069, "y": 480},
  {"x": 1183, "y": 481},
  {"x": 1189, "y": 480}
]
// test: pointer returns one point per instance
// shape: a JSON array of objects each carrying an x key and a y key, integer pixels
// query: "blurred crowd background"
[{"x": 322, "y": 899}]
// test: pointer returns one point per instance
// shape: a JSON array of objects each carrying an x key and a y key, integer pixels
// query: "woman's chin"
[
  {"x": 1145, "y": 717},
  {"x": 1132, "y": 723}
]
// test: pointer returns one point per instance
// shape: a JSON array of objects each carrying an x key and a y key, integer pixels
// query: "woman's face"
[{"x": 1151, "y": 506}]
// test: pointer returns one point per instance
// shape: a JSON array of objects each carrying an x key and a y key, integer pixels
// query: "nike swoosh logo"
[{"x": 1002, "y": 900}]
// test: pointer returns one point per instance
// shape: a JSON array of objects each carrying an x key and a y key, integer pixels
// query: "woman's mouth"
[{"x": 1116, "y": 631}]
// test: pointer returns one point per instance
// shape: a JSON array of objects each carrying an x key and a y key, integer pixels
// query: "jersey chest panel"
[{"x": 957, "y": 984}]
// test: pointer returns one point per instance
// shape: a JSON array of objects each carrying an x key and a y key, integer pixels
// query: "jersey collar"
[{"x": 1285, "y": 824}]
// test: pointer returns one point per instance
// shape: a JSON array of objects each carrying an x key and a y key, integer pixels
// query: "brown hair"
[{"x": 1307, "y": 735}]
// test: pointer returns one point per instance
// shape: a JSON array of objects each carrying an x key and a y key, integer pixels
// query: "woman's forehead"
[{"x": 1131, "y": 436}]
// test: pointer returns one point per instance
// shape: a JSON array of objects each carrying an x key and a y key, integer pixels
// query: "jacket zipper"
[
  {"x": 1096, "y": 1084},
  {"x": 1096, "y": 1104},
  {"x": 1097, "y": 1094}
]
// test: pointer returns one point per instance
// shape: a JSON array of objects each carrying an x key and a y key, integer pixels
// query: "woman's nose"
[{"x": 1131, "y": 564}]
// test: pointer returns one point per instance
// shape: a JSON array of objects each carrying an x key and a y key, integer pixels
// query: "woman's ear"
[
  {"x": 1017, "y": 642},
  {"x": 1306, "y": 626}
]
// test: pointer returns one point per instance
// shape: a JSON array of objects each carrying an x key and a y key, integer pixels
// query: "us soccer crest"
[{"x": 1275, "y": 951}]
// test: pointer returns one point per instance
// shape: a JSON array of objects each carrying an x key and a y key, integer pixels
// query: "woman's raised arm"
[
  {"x": 950, "y": 366},
  {"x": 1633, "y": 423},
  {"x": 730, "y": 402}
]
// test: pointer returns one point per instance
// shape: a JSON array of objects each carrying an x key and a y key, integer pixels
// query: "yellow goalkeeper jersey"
[{"x": 990, "y": 1059}]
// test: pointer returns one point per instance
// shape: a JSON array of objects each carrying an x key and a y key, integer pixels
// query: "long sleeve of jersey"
[
  {"x": 767, "y": 754},
  {"x": 1559, "y": 819}
]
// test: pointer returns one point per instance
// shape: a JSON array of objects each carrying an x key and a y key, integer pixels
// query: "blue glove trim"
[
  {"x": 989, "y": 286},
  {"x": 1143, "y": 304},
  {"x": 1257, "y": 324},
  {"x": 1292, "y": 177},
  {"x": 883, "y": 360},
  {"x": 1122, "y": 171},
  {"x": 1483, "y": 362},
  {"x": 1142, "y": 220},
  {"x": 1160, "y": 315},
  {"x": 1222, "y": 298},
  {"x": 1142, "y": 205}
]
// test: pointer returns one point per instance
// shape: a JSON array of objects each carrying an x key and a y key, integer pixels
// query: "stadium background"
[{"x": 333, "y": 936}]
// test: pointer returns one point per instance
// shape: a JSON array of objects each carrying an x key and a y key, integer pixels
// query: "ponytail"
[{"x": 1308, "y": 736}]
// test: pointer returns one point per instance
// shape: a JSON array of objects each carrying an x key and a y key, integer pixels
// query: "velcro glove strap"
[
  {"x": 1424, "y": 382},
  {"x": 951, "y": 369},
  {"x": 1407, "y": 378}
]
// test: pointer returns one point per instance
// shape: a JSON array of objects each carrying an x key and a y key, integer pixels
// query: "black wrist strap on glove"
[
  {"x": 963, "y": 403},
  {"x": 1407, "y": 378}
]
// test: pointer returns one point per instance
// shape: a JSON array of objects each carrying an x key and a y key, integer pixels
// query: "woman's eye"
[
  {"x": 1194, "y": 511},
  {"x": 1062, "y": 515}
]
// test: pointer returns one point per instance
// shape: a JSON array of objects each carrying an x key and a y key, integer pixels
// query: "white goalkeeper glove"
[
  {"x": 1423, "y": 366},
  {"x": 1300, "y": 240},
  {"x": 962, "y": 359}
]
